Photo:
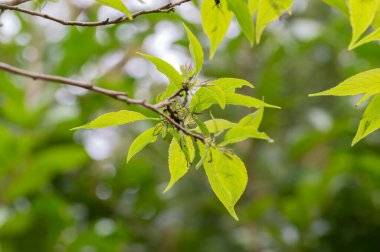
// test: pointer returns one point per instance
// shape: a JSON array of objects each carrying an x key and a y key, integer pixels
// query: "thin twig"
[
  {"x": 121, "y": 96},
  {"x": 163, "y": 9},
  {"x": 16, "y": 2}
]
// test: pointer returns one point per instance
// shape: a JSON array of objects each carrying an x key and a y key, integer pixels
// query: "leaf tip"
[
  {"x": 315, "y": 94},
  {"x": 233, "y": 213},
  {"x": 167, "y": 188}
]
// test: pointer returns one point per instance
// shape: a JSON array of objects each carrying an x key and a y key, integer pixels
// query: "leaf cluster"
[{"x": 183, "y": 101}]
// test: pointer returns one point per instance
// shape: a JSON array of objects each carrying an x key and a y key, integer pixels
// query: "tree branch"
[
  {"x": 121, "y": 96},
  {"x": 163, "y": 9},
  {"x": 16, "y": 2}
]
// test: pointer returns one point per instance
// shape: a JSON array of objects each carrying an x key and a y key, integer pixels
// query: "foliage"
[
  {"x": 186, "y": 96},
  {"x": 308, "y": 191},
  {"x": 365, "y": 83}
]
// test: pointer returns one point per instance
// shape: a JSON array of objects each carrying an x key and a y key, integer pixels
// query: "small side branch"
[
  {"x": 121, "y": 96},
  {"x": 163, "y": 9}
]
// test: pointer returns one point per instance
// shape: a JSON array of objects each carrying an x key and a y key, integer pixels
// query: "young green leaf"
[
  {"x": 217, "y": 125},
  {"x": 246, "y": 101},
  {"x": 246, "y": 128},
  {"x": 244, "y": 18},
  {"x": 268, "y": 11},
  {"x": 253, "y": 5},
  {"x": 229, "y": 85},
  {"x": 118, "y": 5},
  {"x": 141, "y": 141},
  {"x": 202, "y": 127},
  {"x": 370, "y": 121},
  {"x": 227, "y": 176},
  {"x": 166, "y": 69},
  {"x": 241, "y": 133},
  {"x": 374, "y": 36},
  {"x": 376, "y": 21},
  {"x": 178, "y": 163},
  {"x": 253, "y": 119},
  {"x": 216, "y": 20},
  {"x": 203, "y": 100},
  {"x": 362, "y": 13},
  {"x": 114, "y": 119},
  {"x": 363, "y": 83},
  {"x": 217, "y": 95},
  {"x": 196, "y": 50}
]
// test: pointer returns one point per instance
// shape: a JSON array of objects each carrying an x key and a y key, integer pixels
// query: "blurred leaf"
[{"x": 42, "y": 167}]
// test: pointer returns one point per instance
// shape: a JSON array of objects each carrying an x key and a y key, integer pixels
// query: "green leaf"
[
  {"x": 253, "y": 5},
  {"x": 268, "y": 11},
  {"x": 362, "y": 13},
  {"x": 339, "y": 4},
  {"x": 217, "y": 125},
  {"x": 253, "y": 119},
  {"x": 166, "y": 69},
  {"x": 246, "y": 101},
  {"x": 230, "y": 84},
  {"x": 370, "y": 120},
  {"x": 170, "y": 72},
  {"x": 202, "y": 127},
  {"x": 178, "y": 163},
  {"x": 202, "y": 100},
  {"x": 227, "y": 176},
  {"x": 215, "y": 21},
  {"x": 367, "y": 83},
  {"x": 196, "y": 50},
  {"x": 114, "y": 119},
  {"x": 241, "y": 133},
  {"x": 217, "y": 95},
  {"x": 141, "y": 141},
  {"x": 118, "y": 5},
  {"x": 246, "y": 128},
  {"x": 244, "y": 18},
  {"x": 375, "y": 35},
  {"x": 376, "y": 21}
]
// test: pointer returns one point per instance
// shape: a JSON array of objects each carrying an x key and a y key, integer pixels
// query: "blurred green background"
[{"x": 73, "y": 191}]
